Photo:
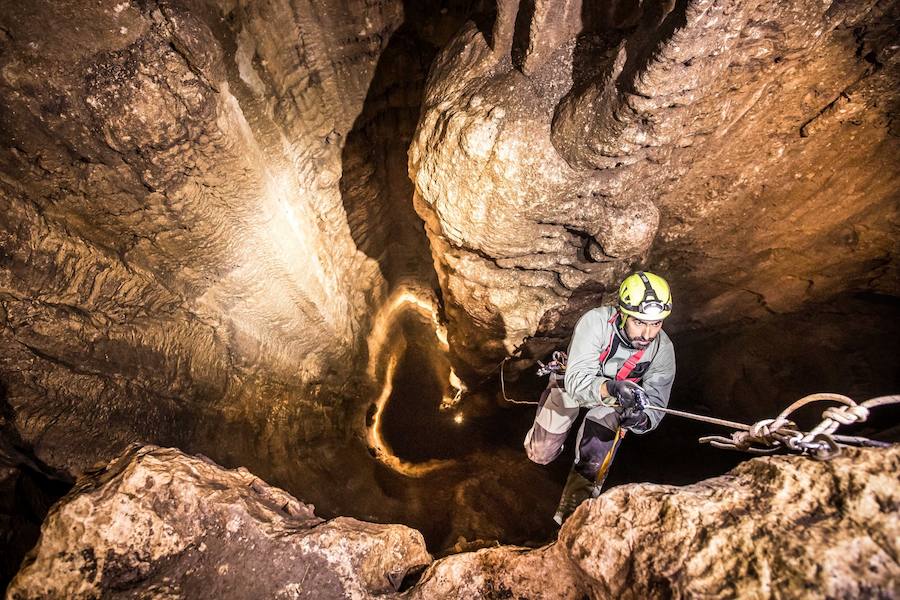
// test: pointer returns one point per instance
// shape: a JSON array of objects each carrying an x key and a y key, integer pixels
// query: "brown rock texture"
[
  {"x": 746, "y": 150},
  {"x": 205, "y": 204},
  {"x": 157, "y": 523},
  {"x": 782, "y": 527},
  {"x": 776, "y": 527},
  {"x": 175, "y": 256}
]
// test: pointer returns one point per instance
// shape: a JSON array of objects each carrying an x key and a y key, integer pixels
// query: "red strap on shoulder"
[
  {"x": 632, "y": 361},
  {"x": 605, "y": 352},
  {"x": 629, "y": 365}
]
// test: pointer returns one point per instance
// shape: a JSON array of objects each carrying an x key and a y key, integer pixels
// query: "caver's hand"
[
  {"x": 634, "y": 419},
  {"x": 628, "y": 394}
]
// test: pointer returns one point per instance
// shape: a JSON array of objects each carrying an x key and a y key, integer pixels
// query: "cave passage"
[
  {"x": 413, "y": 423},
  {"x": 244, "y": 229}
]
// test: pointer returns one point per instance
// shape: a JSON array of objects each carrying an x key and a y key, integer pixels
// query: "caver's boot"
[
  {"x": 600, "y": 449},
  {"x": 577, "y": 490}
]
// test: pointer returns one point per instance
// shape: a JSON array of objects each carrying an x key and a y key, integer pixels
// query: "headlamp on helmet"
[{"x": 645, "y": 296}]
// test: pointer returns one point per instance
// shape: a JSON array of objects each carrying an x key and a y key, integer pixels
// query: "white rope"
[
  {"x": 770, "y": 435},
  {"x": 503, "y": 387}
]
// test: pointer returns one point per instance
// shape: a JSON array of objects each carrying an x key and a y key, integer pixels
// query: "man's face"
[{"x": 642, "y": 333}]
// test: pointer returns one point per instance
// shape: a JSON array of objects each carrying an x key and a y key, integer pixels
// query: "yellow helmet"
[{"x": 645, "y": 296}]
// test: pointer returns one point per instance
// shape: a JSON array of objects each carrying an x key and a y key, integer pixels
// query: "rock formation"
[
  {"x": 746, "y": 149},
  {"x": 773, "y": 527},
  {"x": 174, "y": 240},
  {"x": 156, "y": 523},
  {"x": 208, "y": 209}
]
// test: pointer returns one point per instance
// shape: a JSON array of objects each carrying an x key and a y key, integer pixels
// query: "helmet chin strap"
[{"x": 620, "y": 325}]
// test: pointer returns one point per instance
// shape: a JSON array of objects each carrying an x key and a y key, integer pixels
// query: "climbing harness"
[{"x": 612, "y": 347}]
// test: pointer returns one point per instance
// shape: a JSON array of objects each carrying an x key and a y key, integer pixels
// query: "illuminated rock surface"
[
  {"x": 157, "y": 523},
  {"x": 174, "y": 238},
  {"x": 746, "y": 149},
  {"x": 774, "y": 527},
  {"x": 219, "y": 220}
]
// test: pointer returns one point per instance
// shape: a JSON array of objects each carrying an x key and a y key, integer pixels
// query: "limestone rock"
[
  {"x": 160, "y": 524},
  {"x": 174, "y": 239},
  {"x": 783, "y": 526},
  {"x": 157, "y": 523},
  {"x": 504, "y": 572},
  {"x": 683, "y": 136},
  {"x": 780, "y": 527}
]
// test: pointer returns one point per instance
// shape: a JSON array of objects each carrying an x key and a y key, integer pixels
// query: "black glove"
[
  {"x": 628, "y": 394},
  {"x": 632, "y": 400},
  {"x": 634, "y": 419}
]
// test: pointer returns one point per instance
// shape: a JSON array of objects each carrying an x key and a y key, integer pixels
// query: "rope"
[
  {"x": 767, "y": 435},
  {"x": 703, "y": 418},
  {"x": 503, "y": 386},
  {"x": 770, "y": 435}
]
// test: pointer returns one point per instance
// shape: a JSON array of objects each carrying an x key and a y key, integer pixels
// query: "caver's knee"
[
  {"x": 543, "y": 447},
  {"x": 541, "y": 453},
  {"x": 603, "y": 416},
  {"x": 600, "y": 432},
  {"x": 597, "y": 443}
]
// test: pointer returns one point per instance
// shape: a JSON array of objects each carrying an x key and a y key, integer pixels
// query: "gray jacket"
[{"x": 584, "y": 374}]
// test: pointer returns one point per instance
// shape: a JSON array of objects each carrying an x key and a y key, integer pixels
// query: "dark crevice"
[
  {"x": 28, "y": 488},
  {"x": 522, "y": 33},
  {"x": 375, "y": 185},
  {"x": 656, "y": 27}
]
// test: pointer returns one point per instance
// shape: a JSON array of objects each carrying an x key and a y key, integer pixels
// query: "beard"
[{"x": 641, "y": 342}]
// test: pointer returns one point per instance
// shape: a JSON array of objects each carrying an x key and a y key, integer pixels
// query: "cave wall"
[
  {"x": 745, "y": 150},
  {"x": 203, "y": 202},
  {"x": 175, "y": 258}
]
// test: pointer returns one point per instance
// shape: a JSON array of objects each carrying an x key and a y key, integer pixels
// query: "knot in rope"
[
  {"x": 741, "y": 440},
  {"x": 769, "y": 432},
  {"x": 767, "y": 429},
  {"x": 846, "y": 415}
]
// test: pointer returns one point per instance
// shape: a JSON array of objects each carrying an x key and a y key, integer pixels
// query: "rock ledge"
[{"x": 157, "y": 523}]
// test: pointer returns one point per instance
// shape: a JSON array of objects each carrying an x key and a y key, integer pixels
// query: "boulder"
[
  {"x": 157, "y": 523},
  {"x": 774, "y": 527}
]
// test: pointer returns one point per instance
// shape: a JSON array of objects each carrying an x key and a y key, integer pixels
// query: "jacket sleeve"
[
  {"x": 657, "y": 382},
  {"x": 583, "y": 379}
]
